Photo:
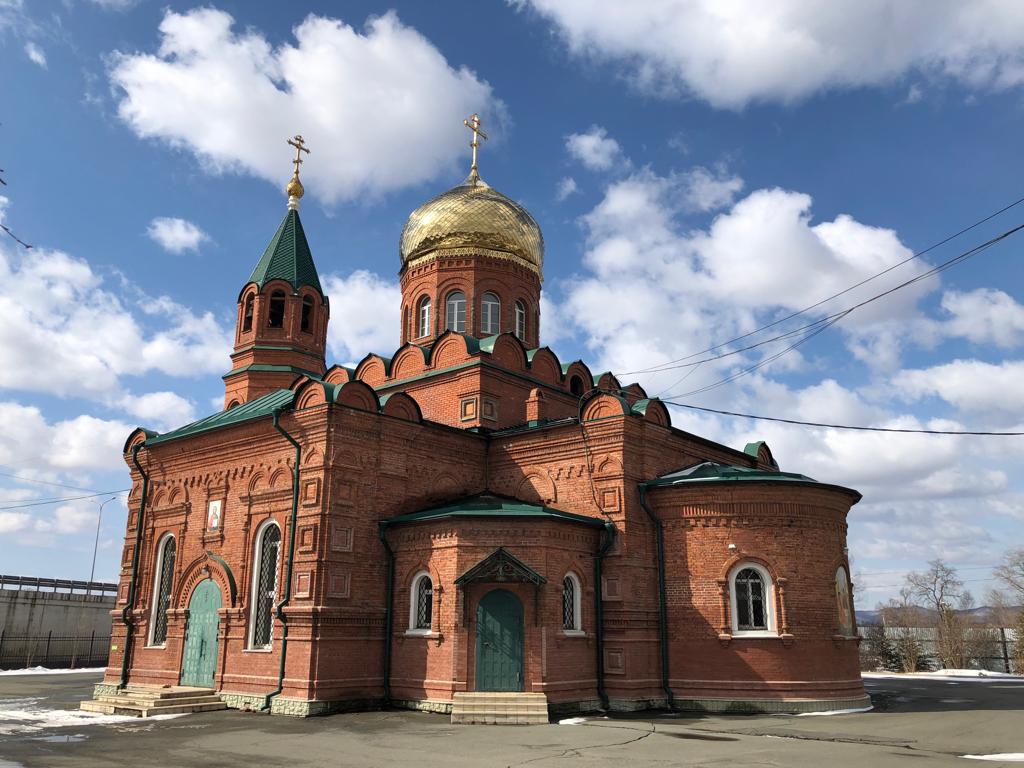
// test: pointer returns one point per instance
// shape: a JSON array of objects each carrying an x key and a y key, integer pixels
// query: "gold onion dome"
[
  {"x": 295, "y": 188},
  {"x": 472, "y": 218}
]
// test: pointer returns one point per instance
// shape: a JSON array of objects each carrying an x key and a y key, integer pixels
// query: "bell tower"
[{"x": 281, "y": 327}]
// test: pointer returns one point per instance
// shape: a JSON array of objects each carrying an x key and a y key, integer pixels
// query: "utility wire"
[
  {"x": 43, "y": 503},
  {"x": 47, "y": 482},
  {"x": 834, "y": 318},
  {"x": 835, "y": 295},
  {"x": 845, "y": 426}
]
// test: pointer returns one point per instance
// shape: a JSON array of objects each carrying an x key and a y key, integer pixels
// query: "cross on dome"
[
  {"x": 295, "y": 189},
  {"x": 473, "y": 123}
]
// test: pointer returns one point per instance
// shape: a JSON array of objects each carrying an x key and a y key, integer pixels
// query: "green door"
[
  {"x": 499, "y": 642},
  {"x": 200, "y": 660}
]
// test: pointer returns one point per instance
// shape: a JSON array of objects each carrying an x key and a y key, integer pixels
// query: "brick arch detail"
[{"x": 200, "y": 569}]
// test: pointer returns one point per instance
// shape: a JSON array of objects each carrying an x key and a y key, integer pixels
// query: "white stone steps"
[
  {"x": 500, "y": 708},
  {"x": 147, "y": 700}
]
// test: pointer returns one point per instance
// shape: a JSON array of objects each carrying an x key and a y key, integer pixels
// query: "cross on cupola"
[
  {"x": 295, "y": 189},
  {"x": 473, "y": 123}
]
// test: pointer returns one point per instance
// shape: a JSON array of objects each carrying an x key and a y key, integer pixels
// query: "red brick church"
[{"x": 468, "y": 514}]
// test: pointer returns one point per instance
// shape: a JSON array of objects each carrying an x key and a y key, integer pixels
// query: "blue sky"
[{"x": 697, "y": 172}]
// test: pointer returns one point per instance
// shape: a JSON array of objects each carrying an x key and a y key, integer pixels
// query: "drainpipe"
[
  {"x": 609, "y": 539},
  {"x": 388, "y": 615},
  {"x": 279, "y": 610},
  {"x": 130, "y": 602},
  {"x": 659, "y": 532}
]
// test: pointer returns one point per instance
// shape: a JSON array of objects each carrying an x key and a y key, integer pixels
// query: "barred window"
[
  {"x": 490, "y": 314},
  {"x": 571, "y": 603},
  {"x": 162, "y": 592},
  {"x": 421, "y": 608},
  {"x": 455, "y": 312},
  {"x": 268, "y": 549},
  {"x": 751, "y": 607}
]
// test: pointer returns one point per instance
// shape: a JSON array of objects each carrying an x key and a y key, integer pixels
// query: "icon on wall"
[{"x": 213, "y": 515}]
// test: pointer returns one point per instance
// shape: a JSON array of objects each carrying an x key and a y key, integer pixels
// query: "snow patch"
[
  {"x": 1005, "y": 757},
  {"x": 948, "y": 675},
  {"x": 834, "y": 712},
  {"x": 47, "y": 671},
  {"x": 573, "y": 721},
  {"x": 23, "y": 716}
]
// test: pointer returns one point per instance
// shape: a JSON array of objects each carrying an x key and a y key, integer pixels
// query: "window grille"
[
  {"x": 424, "y": 603},
  {"x": 490, "y": 313},
  {"x": 163, "y": 593},
  {"x": 569, "y": 617},
  {"x": 750, "y": 600},
  {"x": 269, "y": 547},
  {"x": 455, "y": 312}
]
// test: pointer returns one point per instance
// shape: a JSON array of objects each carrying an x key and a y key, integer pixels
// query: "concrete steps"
[
  {"x": 146, "y": 701},
  {"x": 500, "y": 708}
]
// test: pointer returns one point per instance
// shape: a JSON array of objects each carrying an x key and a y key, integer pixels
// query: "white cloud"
[
  {"x": 706, "y": 190},
  {"x": 595, "y": 149},
  {"x": 11, "y": 522},
  {"x": 176, "y": 235},
  {"x": 567, "y": 186},
  {"x": 161, "y": 410},
  {"x": 115, "y": 5},
  {"x": 990, "y": 391},
  {"x": 365, "y": 310},
  {"x": 730, "y": 54},
  {"x": 381, "y": 109},
  {"x": 51, "y": 301},
  {"x": 35, "y": 54},
  {"x": 984, "y": 316}
]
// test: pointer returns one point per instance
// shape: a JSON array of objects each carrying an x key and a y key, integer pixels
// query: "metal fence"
[
  {"x": 53, "y": 651},
  {"x": 71, "y": 586},
  {"x": 992, "y": 648}
]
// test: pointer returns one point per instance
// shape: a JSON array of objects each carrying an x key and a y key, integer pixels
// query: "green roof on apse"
[
  {"x": 489, "y": 505},
  {"x": 714, "y": 472},
  {"x": 288, "y": 257},
  {"x": 254, "y": 409}
]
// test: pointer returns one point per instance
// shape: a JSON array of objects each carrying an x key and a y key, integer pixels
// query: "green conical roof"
[{"x": 288, "y": 257}]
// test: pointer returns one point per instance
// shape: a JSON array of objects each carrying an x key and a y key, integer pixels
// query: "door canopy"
[{"x": 503, "y": 568}]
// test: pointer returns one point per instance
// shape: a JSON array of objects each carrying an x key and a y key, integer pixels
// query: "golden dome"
[
  {"x": 472, "y": 218},
  {"x": 295, "y": 188}
]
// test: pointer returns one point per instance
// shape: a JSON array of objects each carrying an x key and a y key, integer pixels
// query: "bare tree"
[
  {"x": 936, "y": 587},
  {"x": 1011, "y": 573},
  {"x": 900, "y": 620},
  {"x": 940, "y": 589}
]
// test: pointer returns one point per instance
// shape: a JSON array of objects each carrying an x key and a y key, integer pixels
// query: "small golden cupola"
[{"x": 472, "y": 262}]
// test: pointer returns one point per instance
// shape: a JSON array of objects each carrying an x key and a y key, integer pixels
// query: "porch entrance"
[
  {"x": 499, "y": 642},
  {"x": 200, "y": 659}
]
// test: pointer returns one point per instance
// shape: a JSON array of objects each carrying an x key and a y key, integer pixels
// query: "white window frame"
[
  {"x": 414, "y": 591},
  {"x": 256, "y": 562},
  {"x": 160, "y": 548},
  {"x": 490, "y": 314},
  {"x": 423, "y": 317},
  {"x": 520, "y": 320},
  {"x": 452, "y": 306},
  {"x": 769, "y": 602},
  {"x": 577, "y": 605}
]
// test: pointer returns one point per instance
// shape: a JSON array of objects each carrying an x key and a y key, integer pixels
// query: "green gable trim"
[
  {"x": 272, "y": 369},
  {"x": 254, "y": 409},
  {"x": 487, "y": 505},
  {"x": 288, "y": 257}
]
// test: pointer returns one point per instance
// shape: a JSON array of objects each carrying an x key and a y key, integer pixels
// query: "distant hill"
[{"x": 980, "y": 615}]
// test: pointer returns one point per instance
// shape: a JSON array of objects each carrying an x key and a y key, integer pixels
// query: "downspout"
[
  {"x": 279, "y": 610},
  {"x": 129, "y": 639},
  {"x": 659, "y": 532},
  {"x": 388, "y": 614},
  {"x": 609, "y": 539}
]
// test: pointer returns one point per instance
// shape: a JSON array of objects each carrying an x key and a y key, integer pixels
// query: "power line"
[
  {"x": 45, "y": 502},
  {"x": 836, "y": 295},
  {"x": 827, "y": 322},
  {"x": 845, "y": 426},
  {"x": 887, "y": 586},
  {"x": 47, "y": 482}
]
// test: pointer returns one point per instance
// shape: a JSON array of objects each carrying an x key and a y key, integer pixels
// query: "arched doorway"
[
  {"x": 200, "y": 660},
  {"x": 499, "y": 642}
]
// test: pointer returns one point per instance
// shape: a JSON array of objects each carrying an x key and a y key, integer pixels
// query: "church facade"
[{"x": 468, "y": 514}]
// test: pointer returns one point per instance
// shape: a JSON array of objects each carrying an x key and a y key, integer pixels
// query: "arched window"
[
  {"x": 423, "y": 317},
  {"x": 490, "y": 314},
  {"x": 264, "y": 584},
  {"x": 572, "y": 621},
  {"x": 165, "y": 556},
  {"x": 307, "y": 314},
  {"x": 275, "y": 317},
  {"x": 247, "y": 313},
  {"x": 751, "y": 593},
  {"x": 455, "y": 312},
  {"x": 520, "y": 321},
  {"x": 421, "y": 603},
  {"x": 843, "y": 603},
  {"x": 576, "y": 386}
]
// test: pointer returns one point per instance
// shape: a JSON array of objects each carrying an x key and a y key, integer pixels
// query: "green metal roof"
[
  {"x": 288, "y": 257},
  {"x": 489, "y": 505},
  {"x": 254, "y": 409},
  {"x": 714, "y": 472}
]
